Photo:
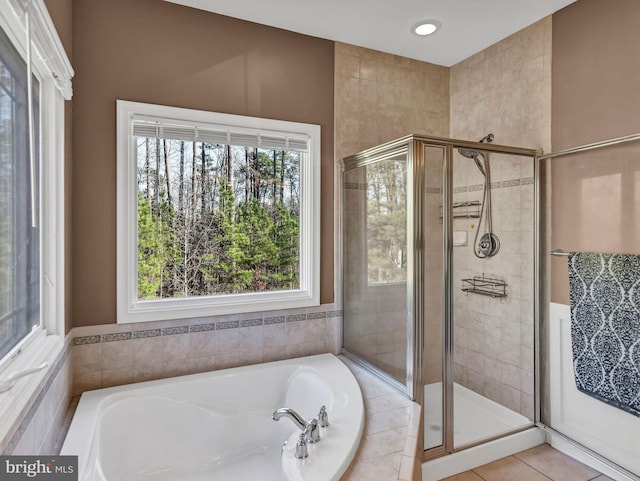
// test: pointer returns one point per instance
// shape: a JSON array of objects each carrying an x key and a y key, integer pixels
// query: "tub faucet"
[{"x": 310, "y": 428}]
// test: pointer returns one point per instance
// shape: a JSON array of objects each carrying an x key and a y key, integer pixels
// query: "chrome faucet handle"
[
  {"x": 323, "y": 417},
  {"x": 301, "y": 446},
  {"x": 312, "y": 431}
]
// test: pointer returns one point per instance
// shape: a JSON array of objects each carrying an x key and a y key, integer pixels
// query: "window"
[
  {"x": 31, "y": 198},
  {"x": 19, "y": 221},
  {"x": 217, "y": 213}
]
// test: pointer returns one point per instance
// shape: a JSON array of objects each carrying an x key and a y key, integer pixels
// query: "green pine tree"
[{"x": 157, "y": 250}]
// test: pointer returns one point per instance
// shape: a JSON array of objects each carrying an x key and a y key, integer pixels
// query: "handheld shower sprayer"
[{"x": 489, "y": 244}]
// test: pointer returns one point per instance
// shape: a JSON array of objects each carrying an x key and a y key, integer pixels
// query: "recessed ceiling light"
[{"x": 426, "y": 27}]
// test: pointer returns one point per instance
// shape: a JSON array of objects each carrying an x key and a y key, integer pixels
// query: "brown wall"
[
  {"x": 157, "y": 52},
  {"x": 61, "y": 12},
  {"x": 596, "y": 73}
]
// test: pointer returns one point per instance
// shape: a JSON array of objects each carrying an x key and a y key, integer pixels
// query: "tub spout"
[
  {"x": 310, "y": 428},
  {"x": 291, "y": 414}
]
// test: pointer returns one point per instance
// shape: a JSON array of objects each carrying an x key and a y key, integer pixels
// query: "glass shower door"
[
  {"x": 434, "y": 224},
  {"x": 375, "y": 270}
]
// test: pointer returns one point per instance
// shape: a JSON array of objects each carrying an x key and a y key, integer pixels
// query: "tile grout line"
[
  {"x": 523, "y": 461},
  {"x": 506, "y": 457},
  {"x": 477, "y": 474}
]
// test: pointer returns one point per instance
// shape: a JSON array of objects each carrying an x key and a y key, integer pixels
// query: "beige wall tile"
[
  {"x": 87, "y": 358},
  {"x": 117, "y": 377},
  {"x": 117, "y": 355},
  {"x": 202, "y": 344},
  {"x": 388, "y": 97},
  {"x": 86, "y": 381}
]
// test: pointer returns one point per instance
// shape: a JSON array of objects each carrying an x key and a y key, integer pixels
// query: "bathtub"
[{"x": 217, "y": 425}]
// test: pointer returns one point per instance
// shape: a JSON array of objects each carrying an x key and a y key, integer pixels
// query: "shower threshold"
[{"x": 475, "y": 417}]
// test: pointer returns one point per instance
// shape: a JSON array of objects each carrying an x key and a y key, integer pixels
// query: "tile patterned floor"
[{"x": 542, "y": 463}]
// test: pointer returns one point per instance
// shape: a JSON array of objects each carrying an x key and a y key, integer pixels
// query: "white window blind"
[{"x": 270, "y": 140}]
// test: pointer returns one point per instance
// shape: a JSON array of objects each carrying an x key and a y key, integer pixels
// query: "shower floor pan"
[{"x": 475, "y": 417}]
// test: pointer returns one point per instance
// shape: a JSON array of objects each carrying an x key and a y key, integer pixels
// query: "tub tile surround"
[
  {"x": 391, "y": 444},
  {"x": 111, "y": 354},
  {"x": 114, "y": 354}
]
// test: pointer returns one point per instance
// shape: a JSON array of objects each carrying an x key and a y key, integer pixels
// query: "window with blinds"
[{"x": 225, "y": 212}]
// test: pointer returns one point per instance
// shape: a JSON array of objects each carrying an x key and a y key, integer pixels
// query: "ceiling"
[{"x": 468, "y": 26}]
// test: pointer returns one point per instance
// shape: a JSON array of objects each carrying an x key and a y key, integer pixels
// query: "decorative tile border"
[
  {"x": 202, "y": 327},
  {"x": 510, "y": 183},
  {"x": 172, "y": 331},
  {"x": 118, "y": 336},
  {"x": 78, "y": 341},
  {"x": 495, "y": 185},
  {"x": 227, "y": 325},
  {"x": 251, "y": 323},
  {"x": 273, "y": 320},
  {"x": 209, "y": 326},
  {"x": 147, "y": 333}
]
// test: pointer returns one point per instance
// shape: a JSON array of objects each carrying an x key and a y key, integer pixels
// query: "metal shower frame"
[{"x": 413, "y": 147}]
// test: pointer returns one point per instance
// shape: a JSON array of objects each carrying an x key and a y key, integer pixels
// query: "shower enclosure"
[{"x": 439, "y": 281}]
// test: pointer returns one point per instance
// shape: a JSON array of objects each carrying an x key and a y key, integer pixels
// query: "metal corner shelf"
[
  {"x": 471, "y": 210},
  {"x": 485, "y": 286}
]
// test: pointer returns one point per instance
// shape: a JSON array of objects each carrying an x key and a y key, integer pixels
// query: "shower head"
[
  {"x": 468, "y": 153},
  {"x": 473, "y": 154}
]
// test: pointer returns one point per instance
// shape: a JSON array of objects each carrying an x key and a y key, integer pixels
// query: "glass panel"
[
  {"x": 375, "y": 271},
  {"x": 433, "y": 313},
  {"x": 492, "y": 295},
  {"x": 216, "y": 219},
  {"x": 19, "y": 238}
]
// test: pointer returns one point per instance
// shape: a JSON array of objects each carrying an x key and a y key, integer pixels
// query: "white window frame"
[
  {"x": 53, "y": 70},
  {"x": 130, "y": 308}
]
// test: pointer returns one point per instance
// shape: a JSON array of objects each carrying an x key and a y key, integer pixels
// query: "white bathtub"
[{"x": 218, "y": 426}]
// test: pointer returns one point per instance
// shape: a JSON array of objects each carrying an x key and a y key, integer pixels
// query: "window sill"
[
  {"x": 16, "y": 402},
  {"x": 205, "y": 306}
]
